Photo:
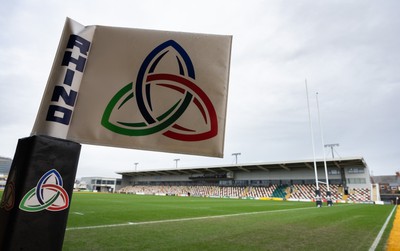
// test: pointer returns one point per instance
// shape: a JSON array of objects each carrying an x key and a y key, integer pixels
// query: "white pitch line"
[
  {"x": 184, "y": 219},
  {"x": 379, "y": 236}
]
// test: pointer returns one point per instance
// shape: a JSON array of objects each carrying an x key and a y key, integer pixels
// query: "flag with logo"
[{"x": 136, "y": 88}]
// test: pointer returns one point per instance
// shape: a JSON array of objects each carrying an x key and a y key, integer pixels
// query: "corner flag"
[{"x": 141, "y": 89}]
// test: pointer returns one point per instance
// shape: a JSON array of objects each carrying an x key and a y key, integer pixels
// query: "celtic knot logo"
[
  {"x": 167, "y": 98},
  {"x": 47, "y": 195}
]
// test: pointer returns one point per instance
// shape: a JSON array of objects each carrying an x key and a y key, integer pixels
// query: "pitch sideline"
[{"x": 379, "y": 236}]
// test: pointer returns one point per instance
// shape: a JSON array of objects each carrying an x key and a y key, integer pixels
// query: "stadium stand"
[
  {"x": 304, "y": 192},
  {"x": 280, "y": 191},
  {"x": 260, "y": 192},
  {"x": 5, "y": 165},
  {"x": 359, "y": 195},
  {"x": 349, "y": 181},
  {"x": 307, "y": 192}
]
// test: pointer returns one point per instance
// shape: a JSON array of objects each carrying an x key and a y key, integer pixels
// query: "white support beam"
[
  {"x": 225, "y": 169},
  {"x": 263, "y": 168},
  {"x": 244, "y": 169},
  {"x": 308, "y": 165},
  {"x": 284, "y": 167},
  {"x": 182, "y": 171},
  {"x": 210, "y": 170}
]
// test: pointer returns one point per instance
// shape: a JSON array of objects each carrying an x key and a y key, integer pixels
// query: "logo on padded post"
[
  {"x": 48, "y": 194},
  {"x": 166, "y": 98}
]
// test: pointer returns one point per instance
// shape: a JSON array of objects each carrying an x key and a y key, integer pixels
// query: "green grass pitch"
[{"x": 136, "y": 222}]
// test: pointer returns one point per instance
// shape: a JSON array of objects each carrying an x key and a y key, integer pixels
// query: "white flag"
[{"x": 141, "y": 89}]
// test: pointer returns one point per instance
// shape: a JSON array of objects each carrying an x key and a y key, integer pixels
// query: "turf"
[{"x": 155, "y": 223}]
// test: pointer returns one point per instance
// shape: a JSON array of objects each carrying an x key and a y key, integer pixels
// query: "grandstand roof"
[{"x": 265, "y": 166}]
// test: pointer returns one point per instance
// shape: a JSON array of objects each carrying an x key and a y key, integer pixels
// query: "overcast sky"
[{"x": 349, "y": 52}]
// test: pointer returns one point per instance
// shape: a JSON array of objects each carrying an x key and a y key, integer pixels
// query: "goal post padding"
[{"x": 35, "y": 203}]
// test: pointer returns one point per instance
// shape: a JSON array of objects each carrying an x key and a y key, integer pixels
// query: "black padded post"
[{"x": 35, "y": 203}]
